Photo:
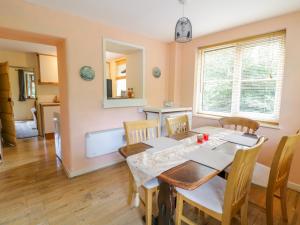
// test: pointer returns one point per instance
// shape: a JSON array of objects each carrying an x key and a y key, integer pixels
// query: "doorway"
[
  {"x": 32, "y": 85},
  {"x": 23, "y": 91},
  {"x": 30, "y": 97}
]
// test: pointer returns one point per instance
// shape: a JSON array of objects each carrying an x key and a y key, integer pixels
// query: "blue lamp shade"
[{"x": 183, "y": 30}]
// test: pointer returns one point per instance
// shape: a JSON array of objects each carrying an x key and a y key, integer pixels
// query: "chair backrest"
[
  {"x": 240, "y": 123},
  {"x": 239, "y": 180},
  {"x": 33, "y": 111},
  {"x": 141, "y": 130},
  {"x": 281, "y": 164},
  {"x": 178, "y": 124}
]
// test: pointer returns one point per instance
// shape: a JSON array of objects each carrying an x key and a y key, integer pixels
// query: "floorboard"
[{"x": 35, "y": 191}]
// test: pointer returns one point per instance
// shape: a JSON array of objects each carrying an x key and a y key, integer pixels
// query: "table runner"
[{"x": 151, "y": 163}]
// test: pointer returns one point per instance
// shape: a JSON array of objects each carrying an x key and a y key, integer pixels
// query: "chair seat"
[
  {"x": 261, "y": 175},
  {"x": 209, "y": 195},
  {"x": 151, "y": 183}
]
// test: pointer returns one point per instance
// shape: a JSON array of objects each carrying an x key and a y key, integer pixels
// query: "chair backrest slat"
[
  {"x": 145, "y": 134},
  {"x": 241, "y": 123},
  {"x": 142, "y": 130},
  {"x": 178, "y": 124},
  {"x": 239, "y": 179},
  {"x": 281, "y": 164}
]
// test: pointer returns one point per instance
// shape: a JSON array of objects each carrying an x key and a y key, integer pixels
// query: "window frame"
[
  {"x": 237, "y": 81},
  {"x": 30, "y": 74}
]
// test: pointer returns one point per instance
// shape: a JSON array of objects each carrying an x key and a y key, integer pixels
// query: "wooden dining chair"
[
  {"x": 141, "y": 130},
  {"x": 135, "y": 132},
  {"x": 275, "y": 179},
  {"x": 219, "y": 198},
  {"x": 178, "y": 124},
  {"x": 240, "y": 123}
]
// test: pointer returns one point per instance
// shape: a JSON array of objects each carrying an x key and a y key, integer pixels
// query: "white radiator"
[{"x": 104, "y": 142}]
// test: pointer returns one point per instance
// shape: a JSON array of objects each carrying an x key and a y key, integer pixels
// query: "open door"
[{"x": 6, "y": 107}]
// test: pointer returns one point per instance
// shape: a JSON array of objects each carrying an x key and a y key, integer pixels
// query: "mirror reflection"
[{"x": 124, "y": 70}]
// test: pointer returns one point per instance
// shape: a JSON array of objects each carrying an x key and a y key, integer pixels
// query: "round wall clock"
[
  {"x": 156, "y": 72},
  {"x": 87, "y": 73}
]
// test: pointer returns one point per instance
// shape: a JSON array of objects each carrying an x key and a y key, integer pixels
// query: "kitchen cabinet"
[
  {"x": 47, "y": 118},
  {"x": 48, "y": 69}
]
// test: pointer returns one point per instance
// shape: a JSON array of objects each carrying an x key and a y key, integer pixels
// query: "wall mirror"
[{"x": 124, "y": 74}]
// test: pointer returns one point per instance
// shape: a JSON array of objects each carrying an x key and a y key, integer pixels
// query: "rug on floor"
[{"x": 26, "y": 129}]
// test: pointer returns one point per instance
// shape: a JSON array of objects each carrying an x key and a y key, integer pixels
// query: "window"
[
  {"x": 30, "y": 84},
  {"x": 121, "y": 86},
  {"x": 242, "y": 78}
]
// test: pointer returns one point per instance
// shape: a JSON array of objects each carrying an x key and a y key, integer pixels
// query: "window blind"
[{"x": 242, "y": 78}]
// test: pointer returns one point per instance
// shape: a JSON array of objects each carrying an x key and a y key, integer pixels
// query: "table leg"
[
  {"x": 166, "y": 204},
  {"x": 154, "y": 220}
]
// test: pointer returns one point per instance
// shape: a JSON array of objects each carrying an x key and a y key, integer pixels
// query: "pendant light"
[{"x": 183, "y": 29}]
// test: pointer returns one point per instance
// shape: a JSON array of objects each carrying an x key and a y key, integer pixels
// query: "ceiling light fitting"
[{"x": 183, "y": 29}]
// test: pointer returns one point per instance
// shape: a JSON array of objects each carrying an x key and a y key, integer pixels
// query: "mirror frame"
[{"x": 130, "y": 102}]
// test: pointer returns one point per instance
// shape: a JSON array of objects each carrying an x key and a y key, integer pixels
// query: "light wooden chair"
[
  {"x": 178, "y": 124},
  {"x": 275, "y": 179},
  {"x": 240, "y": 123},
  {"x": 135, "y": 132},
  {"x": 219, "y": 198},
  {"x": 1, "y": 153}
]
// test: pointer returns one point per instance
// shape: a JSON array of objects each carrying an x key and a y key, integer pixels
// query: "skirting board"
[
  {"x": 76, "y": 173},
  {"x": 294, "y": 186}
]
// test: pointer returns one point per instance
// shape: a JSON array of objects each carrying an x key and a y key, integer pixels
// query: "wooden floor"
[{"x": 34, "y": 190}]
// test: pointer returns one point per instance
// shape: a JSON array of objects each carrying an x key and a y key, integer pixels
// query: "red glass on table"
[
  {"x": 200, "y": 138},
  {"x": 205, "y": 137}
]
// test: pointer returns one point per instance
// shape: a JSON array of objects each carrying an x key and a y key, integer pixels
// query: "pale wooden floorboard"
[{"x": 35, "y": 191}]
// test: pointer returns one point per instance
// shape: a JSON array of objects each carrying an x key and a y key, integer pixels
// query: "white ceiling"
[
  {"x": 119, "y": 47},
  {"x": 157, "y": 18},
  {"x": 21, "y": 46}
]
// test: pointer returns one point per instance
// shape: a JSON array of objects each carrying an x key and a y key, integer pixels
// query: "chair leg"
[
  {"x": 283, "y": 198},
  {"x": 179, "y": 208},
  {"x": 155, "y": 205},
  {"x": 203, "y": 217},
  {"x": 269, "y": 208},
  {"x": 130, "y": 190},
  {"x": 148, "y": 206},
  {"x": 244, "y": 213}
]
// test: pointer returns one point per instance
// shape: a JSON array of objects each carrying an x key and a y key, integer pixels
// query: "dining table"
[{"x": 188, "y": 175}]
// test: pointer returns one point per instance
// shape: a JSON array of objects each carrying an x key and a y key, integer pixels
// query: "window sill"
[{"x": 214, "y": 117}]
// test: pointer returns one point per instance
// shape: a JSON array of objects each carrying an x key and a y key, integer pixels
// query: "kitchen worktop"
[{"x": 49, "y": 103}]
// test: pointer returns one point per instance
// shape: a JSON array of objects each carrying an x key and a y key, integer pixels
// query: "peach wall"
[
  {"x": 174, "y": 80},
  {"x": 82, "y": 100},
  {"x": 290, "y": 106}
]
